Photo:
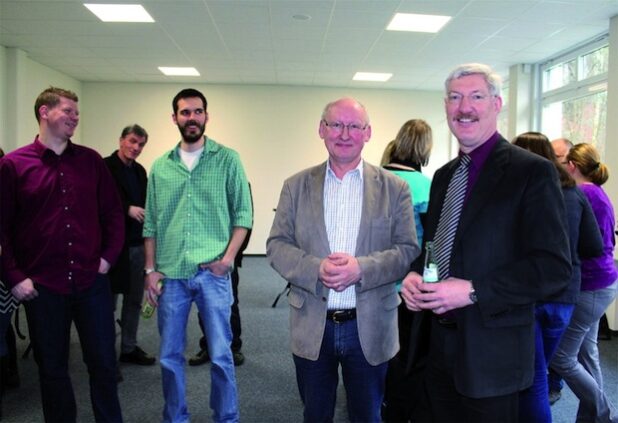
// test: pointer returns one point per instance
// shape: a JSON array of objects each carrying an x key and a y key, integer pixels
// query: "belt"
[{"x": 340, "y": 316}]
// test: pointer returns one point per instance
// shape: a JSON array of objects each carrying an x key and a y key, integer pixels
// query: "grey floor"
[{"x": 266, "y": 381}]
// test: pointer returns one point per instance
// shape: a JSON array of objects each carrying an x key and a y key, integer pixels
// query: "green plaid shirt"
[{"x": 191, "y": 214}]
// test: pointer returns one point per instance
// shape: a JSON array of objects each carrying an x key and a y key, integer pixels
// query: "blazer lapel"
[
  {"x": 489, "y": 178},
  {"x": 372, "y": 186},
  {"x": 315, "y": 190}
]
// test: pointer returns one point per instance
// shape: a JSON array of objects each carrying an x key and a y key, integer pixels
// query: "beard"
[{"x": 191, "y": 137}]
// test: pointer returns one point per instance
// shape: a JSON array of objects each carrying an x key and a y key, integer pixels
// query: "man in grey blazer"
[
  {"x": 509, "y": 249},
  {"x": 343, "y": 233}
]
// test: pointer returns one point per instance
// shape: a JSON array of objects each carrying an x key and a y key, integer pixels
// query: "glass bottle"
[
  {"x": 430, "y": 271},
  {"x": 147, "y": 308}
]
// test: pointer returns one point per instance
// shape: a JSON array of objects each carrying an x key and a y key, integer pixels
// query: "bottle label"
[{"x": 430, "y": 274}]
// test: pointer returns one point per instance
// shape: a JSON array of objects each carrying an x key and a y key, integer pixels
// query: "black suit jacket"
[
  {"x": 120, "y": 273},
  {"x": 512, "y": 243}
]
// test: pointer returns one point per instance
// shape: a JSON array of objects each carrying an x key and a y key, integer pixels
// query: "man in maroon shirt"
[{"x": 61, "y": 228}]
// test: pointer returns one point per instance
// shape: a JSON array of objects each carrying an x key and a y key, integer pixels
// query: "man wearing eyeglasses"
[
  {"x": 343, "y": 232},
  {"x": 505, "y": 248},
  {"x": 561, "y": 148}
]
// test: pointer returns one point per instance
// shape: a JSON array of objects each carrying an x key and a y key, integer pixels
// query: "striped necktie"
[{"x": 449, "y": 217}]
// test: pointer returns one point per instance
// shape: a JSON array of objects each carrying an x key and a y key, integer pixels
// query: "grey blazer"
[{"x": 386, "y": 246}]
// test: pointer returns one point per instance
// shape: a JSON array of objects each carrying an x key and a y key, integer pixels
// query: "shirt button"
[
  {"x": 70, "y": 243},
  {"x": 61, "y": 173},
  {"x": 66, "y": 208},
  {"x": 72, "y": 262},
  {"x": 68, "y": 225}
]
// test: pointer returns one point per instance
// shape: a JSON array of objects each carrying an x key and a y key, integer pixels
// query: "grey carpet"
[{"x": 266, "y": 381}]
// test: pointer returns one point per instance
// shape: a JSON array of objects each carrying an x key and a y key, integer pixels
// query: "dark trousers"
[
  {"x": 446, "y": 404},
  {"x": 234, "y": 317},
  {"x": 50, "y": 316}
]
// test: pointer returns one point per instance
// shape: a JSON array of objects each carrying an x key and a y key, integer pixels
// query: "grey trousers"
[{"x": 132, "y": 301}]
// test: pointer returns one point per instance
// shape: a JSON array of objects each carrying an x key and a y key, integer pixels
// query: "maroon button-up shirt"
[{"x": 59, "y": 214}]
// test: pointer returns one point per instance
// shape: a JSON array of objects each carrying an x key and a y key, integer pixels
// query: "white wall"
[{"x": 274, "y": 128}]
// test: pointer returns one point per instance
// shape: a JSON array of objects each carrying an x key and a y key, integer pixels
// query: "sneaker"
[
  {"x": 239, "y": 358},
  {"x": 137, "y": 356},
  {"x": 200, "y": 358},
  {"x": 554, "y": 396}
]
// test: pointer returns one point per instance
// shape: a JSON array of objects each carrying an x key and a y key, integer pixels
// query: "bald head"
[{"x": 561, "y": 148}]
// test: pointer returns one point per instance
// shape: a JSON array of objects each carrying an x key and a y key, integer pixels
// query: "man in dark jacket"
[{"x": 127, "y": 276}]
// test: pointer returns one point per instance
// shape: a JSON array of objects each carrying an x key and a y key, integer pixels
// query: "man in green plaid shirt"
[{"x": 198, "y": 212}]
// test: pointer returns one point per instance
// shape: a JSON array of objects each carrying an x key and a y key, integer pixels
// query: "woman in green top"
[
  {"x": 405, "y": 156},
  {"x": 409, "y": 152}
]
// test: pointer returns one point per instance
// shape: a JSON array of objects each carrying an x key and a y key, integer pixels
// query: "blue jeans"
[
  {"x": 551, "y": 320},
  {"x": 577, "y": 356},
  {"x": 317, "y": 380},
  {"x": 212, "y": 295},
  {"x": 49, "y": 322}
]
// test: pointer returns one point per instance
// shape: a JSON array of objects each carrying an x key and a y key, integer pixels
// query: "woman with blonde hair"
[{"x": 577, "y": 356}]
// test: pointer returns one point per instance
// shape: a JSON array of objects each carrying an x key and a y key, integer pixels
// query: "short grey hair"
[
  {"x": 493, "y": 80},
  {"x": 332, "y": 103}
]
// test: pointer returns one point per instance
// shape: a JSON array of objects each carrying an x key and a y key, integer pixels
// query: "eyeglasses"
[
  {"x": 353, "y": 128},
  {"x": 456, "y": 98}
]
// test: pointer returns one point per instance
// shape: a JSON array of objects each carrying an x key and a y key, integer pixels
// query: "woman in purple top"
[{"x": 577, "y": 356}]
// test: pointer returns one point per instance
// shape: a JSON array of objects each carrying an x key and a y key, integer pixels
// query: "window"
[{"x": 573, "y": 101}]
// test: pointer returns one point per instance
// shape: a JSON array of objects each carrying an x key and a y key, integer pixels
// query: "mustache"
[
  {"x": 466, "y": 116},
  {"x": 192, "y": 122}
]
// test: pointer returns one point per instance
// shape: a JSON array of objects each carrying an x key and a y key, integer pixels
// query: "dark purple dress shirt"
[
  {"x": 478, "y": 157},
  {"x": 59, "y": 215}
]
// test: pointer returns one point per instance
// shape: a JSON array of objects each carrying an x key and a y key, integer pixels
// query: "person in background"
[
  {"x": 202, "y": 356},
  {"x": 552, "y": 315},
  {"x": 127, "y": 276},
  {"x": 408, "y": 153},
  {"x": 497, "y": 219},
  {"x": 61, "y": 229},
  {"x": 343, "y": 233},
  {"x": 8, "y": 304},
  {"x": 387, "y": 154},
  {"x": 577, "y": 356},
  {"x": 198, "y": 212},
  {"x": 561, "y": 147}
]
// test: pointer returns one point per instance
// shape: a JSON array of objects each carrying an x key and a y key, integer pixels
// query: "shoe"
[
  {"x": 239, "y": 358},
  {"x": 138, "y": 356},
  {"x": 200, "y": 358},
  {"x": 554, "y": 396}
]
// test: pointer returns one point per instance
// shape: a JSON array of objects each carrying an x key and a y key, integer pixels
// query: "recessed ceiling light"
[
  {"x": 301, "y": 17},
  {"x": 372, "y": 76},
  {"x": 417, "y": 23},
  {"x": 171, "y": 71},
  {"x": 120, "y": 12}
]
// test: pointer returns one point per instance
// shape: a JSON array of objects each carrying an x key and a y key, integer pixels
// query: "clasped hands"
[
  {"x": 439, "y": 297},
  {"x": 339, "y": 270}
]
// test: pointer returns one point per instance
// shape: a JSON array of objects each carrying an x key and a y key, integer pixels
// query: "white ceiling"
[{"x": 259, "y": 41}]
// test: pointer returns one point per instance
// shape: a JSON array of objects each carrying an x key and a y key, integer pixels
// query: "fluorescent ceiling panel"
[
  {"x": 372, "y": 76},
  {"x": 417, "y": 23},
  {"x": 171, "y": 71},
  {"x": 120, "y": 12}
]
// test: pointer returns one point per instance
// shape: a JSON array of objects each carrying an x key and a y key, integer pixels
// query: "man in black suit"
[
  {"x": 510, "y": 249},
  {"x": 127, "y": 276}
]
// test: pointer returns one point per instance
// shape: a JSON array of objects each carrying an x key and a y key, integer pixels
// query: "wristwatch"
[
  {"x": 149, "y": 270},
  {"x": 472, "y": 295}
]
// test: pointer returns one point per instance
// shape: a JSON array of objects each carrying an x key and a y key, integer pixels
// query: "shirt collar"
[
  {"x": 358, "y": 168},
  {"x": 479, "y": 155},
  {"x": 210, "y": 146},
  {"x": 42, "y": 150}
]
